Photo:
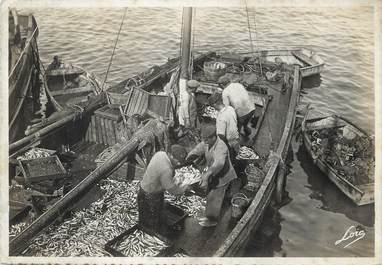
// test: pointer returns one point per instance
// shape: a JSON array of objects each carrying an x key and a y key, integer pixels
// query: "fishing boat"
[
  {"x": 94, "y": 132},
  {"x": 69, "y": 86},
  {"x": 344, "y": 152},
  {"x": 24, "y": 71},
  {"x": 310, "y": 62}
]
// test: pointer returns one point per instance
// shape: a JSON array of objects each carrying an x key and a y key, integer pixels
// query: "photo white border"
[{"x": 4, "y": 240}]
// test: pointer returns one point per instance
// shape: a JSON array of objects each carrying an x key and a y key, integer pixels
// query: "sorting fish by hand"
[
  {"x": 186, "y": 176},
  {"x": 246, "y": 153}
]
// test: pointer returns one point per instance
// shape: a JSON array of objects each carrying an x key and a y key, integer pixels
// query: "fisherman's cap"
[
  {"x": 193, "y": 84},
  {"x": 215, "y": 98},
  {"x": 208, "y": 131},
  {"x": 224, "y": 80}
]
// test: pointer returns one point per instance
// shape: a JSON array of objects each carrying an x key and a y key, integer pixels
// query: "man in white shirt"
[
  {"x": 226, "y": 124},
  {"x": 235, "y": 95}
]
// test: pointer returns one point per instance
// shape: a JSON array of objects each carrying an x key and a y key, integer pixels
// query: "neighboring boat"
[
  {"x": 24, "y": 71},
  {"x": 90, "y": 130},
  {"x": 310, "y": 62},
  {"x": 70, "y": 86},
  {"x": 344, "y": 152}
]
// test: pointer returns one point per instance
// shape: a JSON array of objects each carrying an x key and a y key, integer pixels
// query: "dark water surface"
[{"x": 318, "y": 214}]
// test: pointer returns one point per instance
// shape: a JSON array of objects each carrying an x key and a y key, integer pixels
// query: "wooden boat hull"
[
  {"x": 359, "y": 194},
  {"x": 61, "y": 96},
  {"x": 310, "y": 63},
  {"x": 23, "y": 78}
]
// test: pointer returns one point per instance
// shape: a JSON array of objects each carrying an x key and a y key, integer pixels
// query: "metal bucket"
[{"x": 239, "y": 202}]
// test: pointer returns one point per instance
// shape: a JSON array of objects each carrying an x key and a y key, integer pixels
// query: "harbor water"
[{"x": 317, "y": 213}]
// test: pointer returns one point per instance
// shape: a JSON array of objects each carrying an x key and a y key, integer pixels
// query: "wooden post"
[{"x": 186, "y": 42}]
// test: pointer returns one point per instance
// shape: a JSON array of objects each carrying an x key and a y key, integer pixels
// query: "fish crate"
[
  {"x": 174, "y": 216},
  {"x": 112, "y": 245},
  {"x": 40, "y": 169}
]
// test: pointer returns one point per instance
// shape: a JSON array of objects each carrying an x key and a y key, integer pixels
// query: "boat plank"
[
  {"x": 299, "y": 55},
  {"x": 71, "y": 91}
]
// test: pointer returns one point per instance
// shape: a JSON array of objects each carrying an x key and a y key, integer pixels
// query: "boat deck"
[{"x": 199, "y": 241}]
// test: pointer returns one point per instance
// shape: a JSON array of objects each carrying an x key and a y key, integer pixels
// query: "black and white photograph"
[{"x": 175, "y": 130}]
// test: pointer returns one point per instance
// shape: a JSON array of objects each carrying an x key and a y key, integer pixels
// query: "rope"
[
  {"x": 180, "y": 38},
  {"x": 115, "y": 45},
  {"x": 250, "y": 35},
  {"x": 249, "y": 28},
  {"x": 257, "y": 41},
  {"x": 191, "y": 62},
  {"x": 22, "y": 53}
]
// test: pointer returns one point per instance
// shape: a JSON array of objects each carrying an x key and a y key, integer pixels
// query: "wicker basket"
[
  {"x": 254, "y": 175},
  {"x": 212, "y": 70}
]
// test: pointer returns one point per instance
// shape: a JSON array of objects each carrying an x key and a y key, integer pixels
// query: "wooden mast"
[{"x": 186, "y": 42}]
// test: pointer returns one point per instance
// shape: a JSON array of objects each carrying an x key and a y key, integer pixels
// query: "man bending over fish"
[
  {"x": 219, "y": 173},
  {"x": 159, "y": 176}
]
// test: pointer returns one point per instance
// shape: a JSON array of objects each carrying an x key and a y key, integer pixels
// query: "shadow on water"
[
  {"x": 332, "y": 198},
  {"x": 266, "y": 241},
  {"x": 311, "y": 81}
]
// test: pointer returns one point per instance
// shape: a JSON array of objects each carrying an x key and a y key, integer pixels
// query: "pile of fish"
[
  {"x": 140, "y": 244},
  {"x": 16, "y": 229},
  {"x": 88, "y": 230},
  {"x": 210, "y": 112},
  {"x": 35, "y": 153},
  {"x": 193, "y": 205},
  {"x": 186, "y": 176},
  {"x": 246, "y": 153}
]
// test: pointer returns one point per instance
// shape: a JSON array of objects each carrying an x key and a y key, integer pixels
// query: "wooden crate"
[
  {"x": 159, "y": 106},
  {"x": 105, "y": 124},
  {"x": 39, "y": 169}
]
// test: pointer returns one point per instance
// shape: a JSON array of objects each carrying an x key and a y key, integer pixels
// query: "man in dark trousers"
[
  {"x": 219, "y": 172},
  {"x": 159, "y": 176}
]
